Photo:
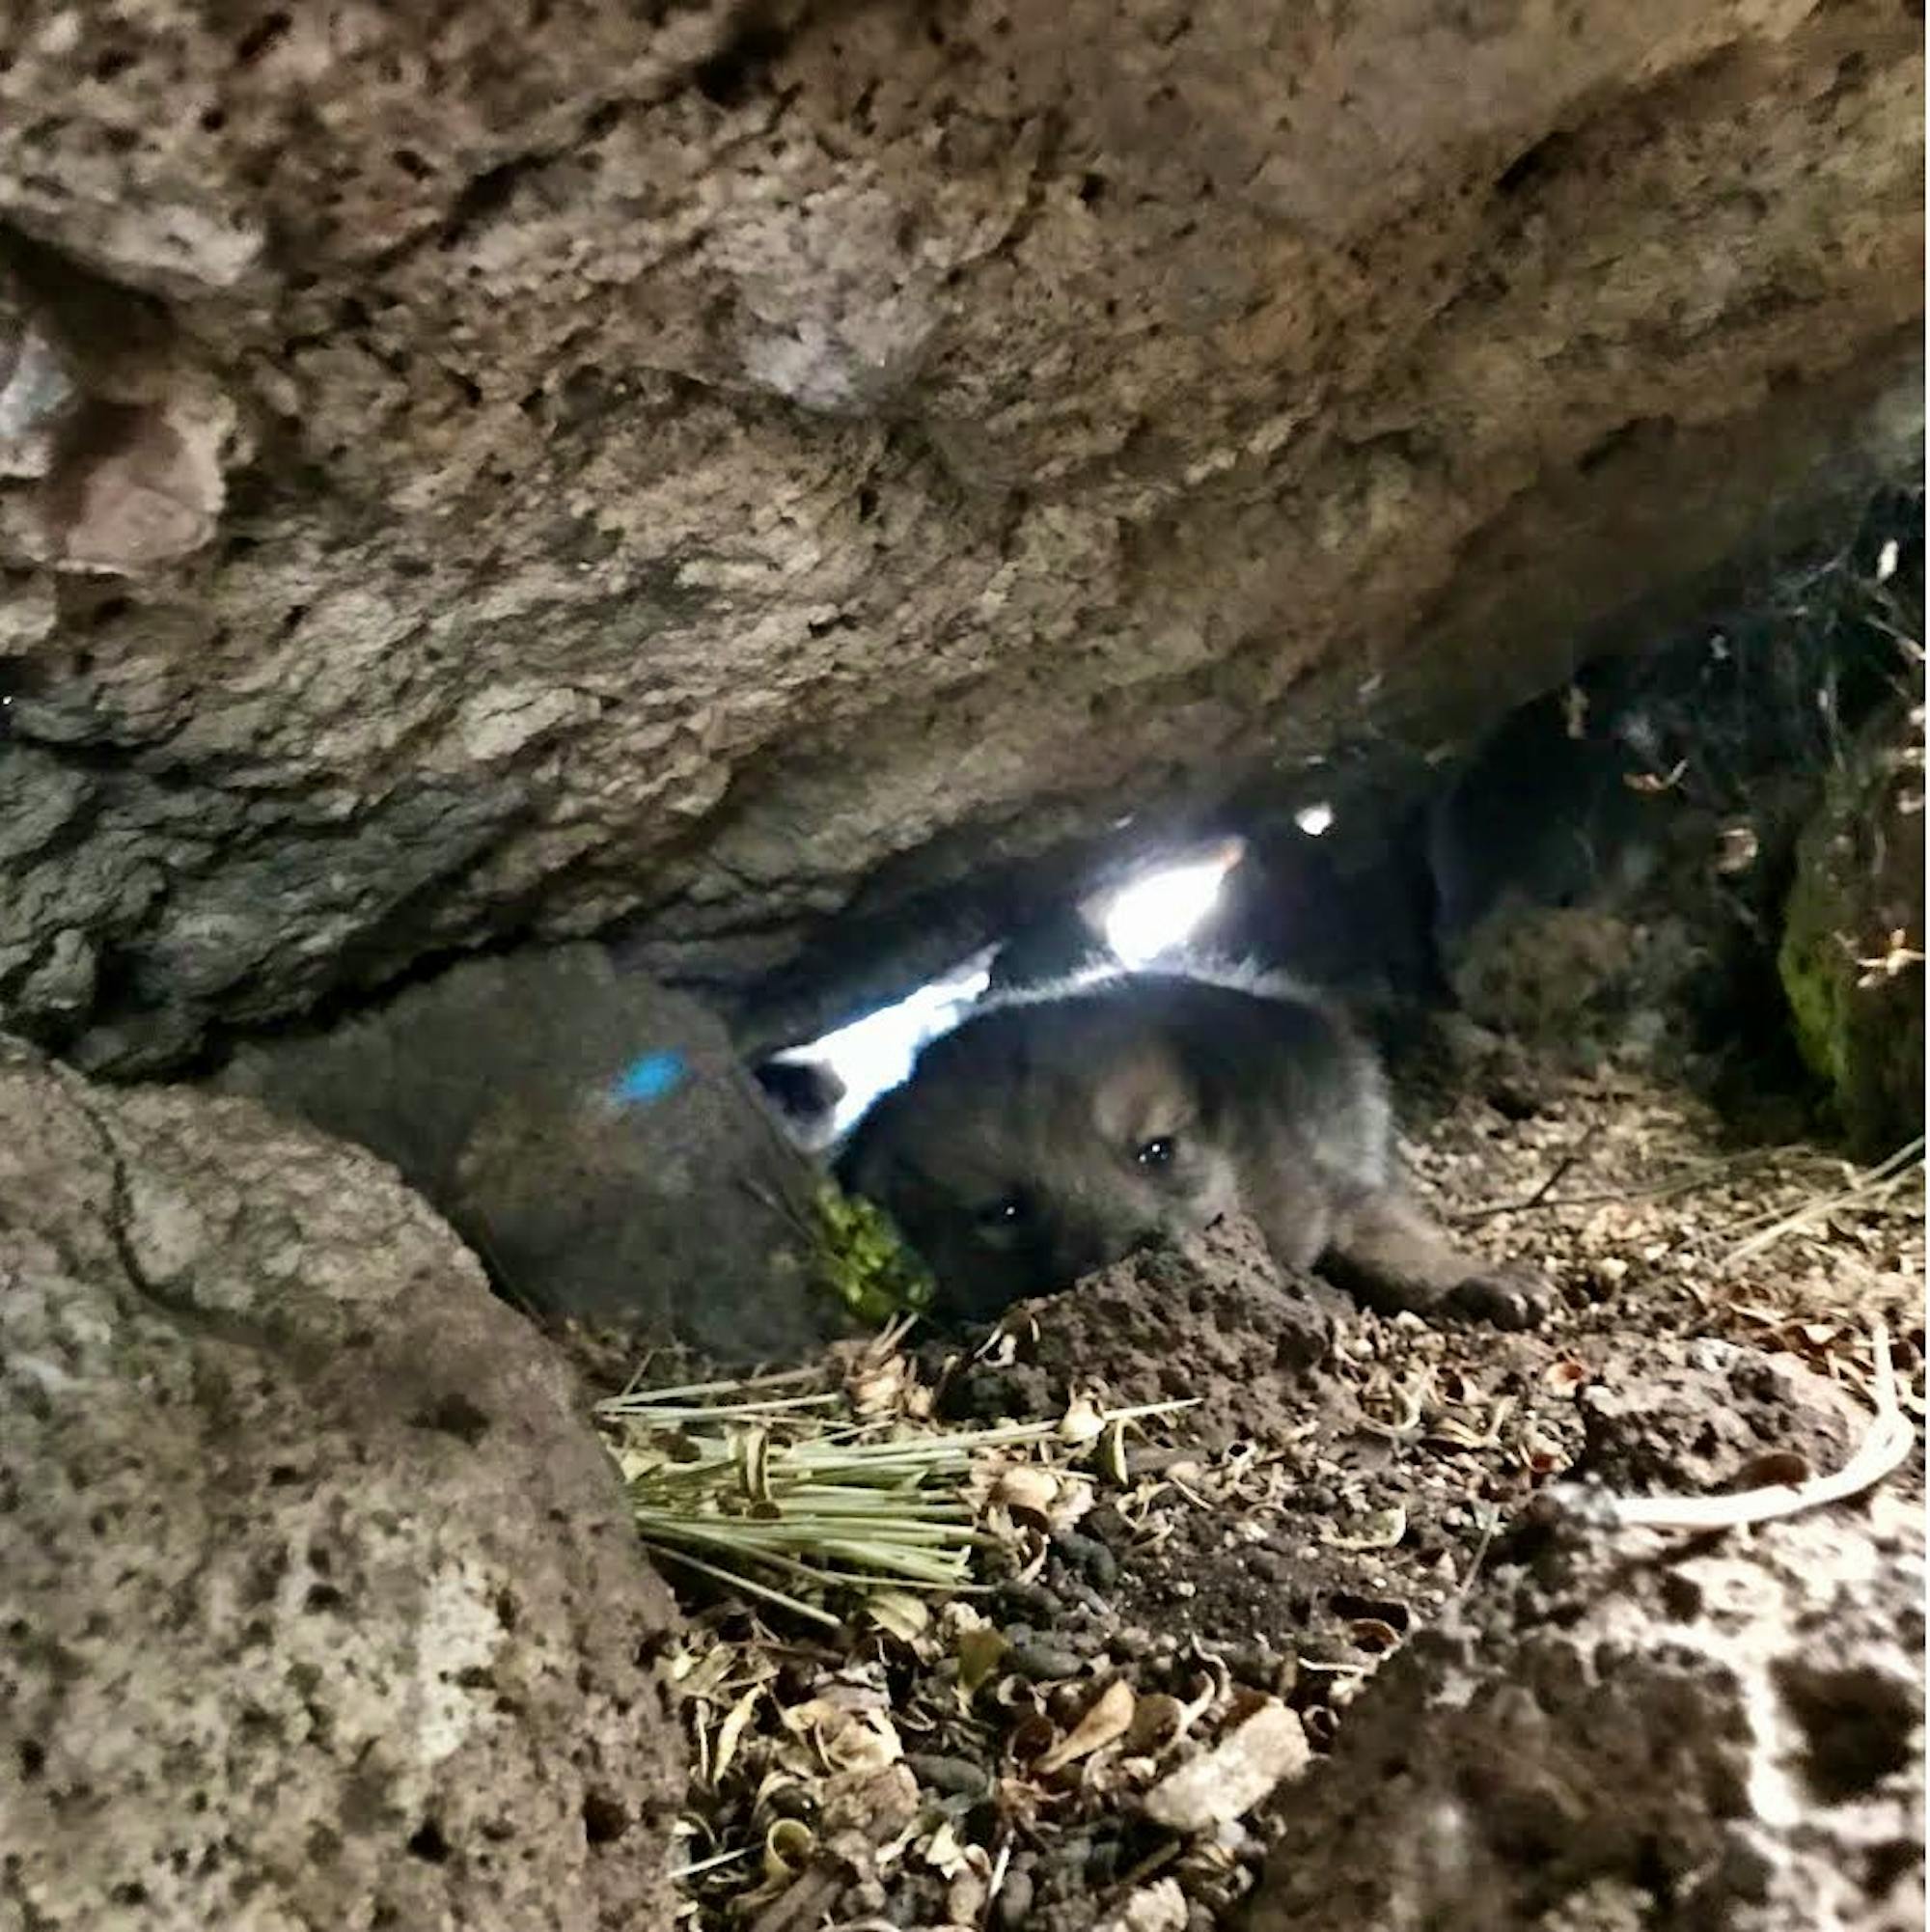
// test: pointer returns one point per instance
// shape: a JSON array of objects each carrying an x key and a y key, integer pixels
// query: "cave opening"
[{"x": 1616, "y": 864}]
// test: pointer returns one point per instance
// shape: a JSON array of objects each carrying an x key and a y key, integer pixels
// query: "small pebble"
[
  {"x": 1045, "y": 1660},
  {"x": 1090, "y": 1601},
  {"x": 1014, "y": 1901},
  {"x": 952, "y": 1776},
  {"x": 1102, "y": 1866},
  {"x": 865, "y": 1899},
  {"x": 1028, "y": 1599},
  {"x": 1269, "y": 1565},
  {"x": 1088, "y": 1557}
]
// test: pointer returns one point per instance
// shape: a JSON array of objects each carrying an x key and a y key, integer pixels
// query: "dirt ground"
[{"x": 1343, "y": 1480}]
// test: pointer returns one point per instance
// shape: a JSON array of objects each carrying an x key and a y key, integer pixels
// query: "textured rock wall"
[
  {"x": 544, "y": 466},
  {"x": 1638, "y": 1735},
  {"x": 318, "y": 1601}
]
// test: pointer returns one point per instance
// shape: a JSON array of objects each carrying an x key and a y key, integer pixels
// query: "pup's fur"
[{"x": 1061, "y": 1128}]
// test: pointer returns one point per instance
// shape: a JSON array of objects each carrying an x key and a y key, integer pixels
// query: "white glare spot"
[
  {"x": 874, "y": 1053},
  {"x": 1316, "y": 821},
  {"x": 1157, "y": 912},
  {"x": 1886, "y": 561}
]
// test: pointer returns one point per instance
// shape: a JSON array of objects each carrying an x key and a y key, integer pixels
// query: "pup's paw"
[{"x": 1505, "y": 1297}]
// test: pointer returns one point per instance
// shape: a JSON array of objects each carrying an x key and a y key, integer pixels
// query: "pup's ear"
[{"x": 803, "y": 1088}]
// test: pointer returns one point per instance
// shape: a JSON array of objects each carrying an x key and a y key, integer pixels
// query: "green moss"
[
  {"x": 1810, "y": 964},
  {"x": 859, "y": 1259}
]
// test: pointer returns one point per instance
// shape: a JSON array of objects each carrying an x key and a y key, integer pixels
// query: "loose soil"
[{"x": 1341, "y": 1482}]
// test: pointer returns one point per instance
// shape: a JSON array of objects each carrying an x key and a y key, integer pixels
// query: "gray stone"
[
  {"x": 1733, "y": 1729},
  {"x": 592, "y": 1136},
  {"x": 319, "y": 1604}
]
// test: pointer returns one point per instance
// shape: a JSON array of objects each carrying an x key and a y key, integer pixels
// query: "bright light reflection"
[
  {"x": 1156, "y": 913},
  {"x": 874, "y": 1053},
  {"x": 1314, "y": 819},
  {"x": 1142, "y": 920}
]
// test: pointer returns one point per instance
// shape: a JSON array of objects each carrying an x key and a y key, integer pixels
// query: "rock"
[
  {"x": 782, "y": 485},
  {"x": 319, "y": 1601},
  {"x": 1257, "y": 1756},
  {"x": 1013, "y": 1900},
  {"x": 1210, "y": 1320},
  {"x": 1683, "y": 1426},
  {"x": 1854, "y": 919},
  {"x": 590, "y": 1134},
  {"x": 1589, "y": 982},
  {"x": 949, "y": 1777},
  {"x": 114, "y": 442},
  {"x": 1158, "y": 1907},
  {"x": 1733, "y": 1727},
  {"x": 1046, "y": 1661},
  {"x": 1052, "y": 947}
]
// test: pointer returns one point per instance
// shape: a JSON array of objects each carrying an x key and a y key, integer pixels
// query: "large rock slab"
[
  {"x": 529, "y": 468},
  {"x": 318, "y": 1601}
]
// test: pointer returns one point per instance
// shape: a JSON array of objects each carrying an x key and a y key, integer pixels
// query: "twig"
[
  {"x": 680, "y": 1873},
  {"x": 1704, "y": 1176},
  {"x": 1561, "y": 1167},
  {"x": 1490, "y": 1519},
  {"x": 1890, "y": 1438}
]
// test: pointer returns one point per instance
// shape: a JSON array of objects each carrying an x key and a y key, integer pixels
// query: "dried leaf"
[
  {"x": 1110, "y": 1717},
  {"x": 1026, "y": 1488},
  {"x": 1381, "y": 1531},
  {"x": 1081, "y": 1421},
  {"x": 1229, "y": 1780},
  {"x": 899, "y": 1612},
  {"x": 731, "y": 1730},
  {"x": 1157, "y": 1722},
  {"x": 1738, "y": 849},
  {"x": 981, "y": 1652},
  {"x": 942, "y": 1852},
  {"x": 1159, "y": 1907},
  {"x": 1653, "y": 782}
]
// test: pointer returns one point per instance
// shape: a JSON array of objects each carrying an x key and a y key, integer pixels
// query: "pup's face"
[{"x": 1035, "y": 1145}]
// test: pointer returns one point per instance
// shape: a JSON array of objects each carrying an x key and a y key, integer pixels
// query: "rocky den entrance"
[{"x": 575, "y": 586}]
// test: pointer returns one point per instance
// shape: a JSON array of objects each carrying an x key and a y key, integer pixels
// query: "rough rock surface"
[
  {"x": 1638, "y": 1735},
  {"x": 317, "y": 1603},
  {"x": 531, "y": 465},
  {"x": 592, "y": 1137}
]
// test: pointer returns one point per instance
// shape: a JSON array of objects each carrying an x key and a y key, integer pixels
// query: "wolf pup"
[{"x": 1058, "y": 1129}]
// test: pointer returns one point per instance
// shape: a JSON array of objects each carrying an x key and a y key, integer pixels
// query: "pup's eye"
[
  {"x": 1004, "y": 1213},
  {"x": 1157, "y": 1153}
]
